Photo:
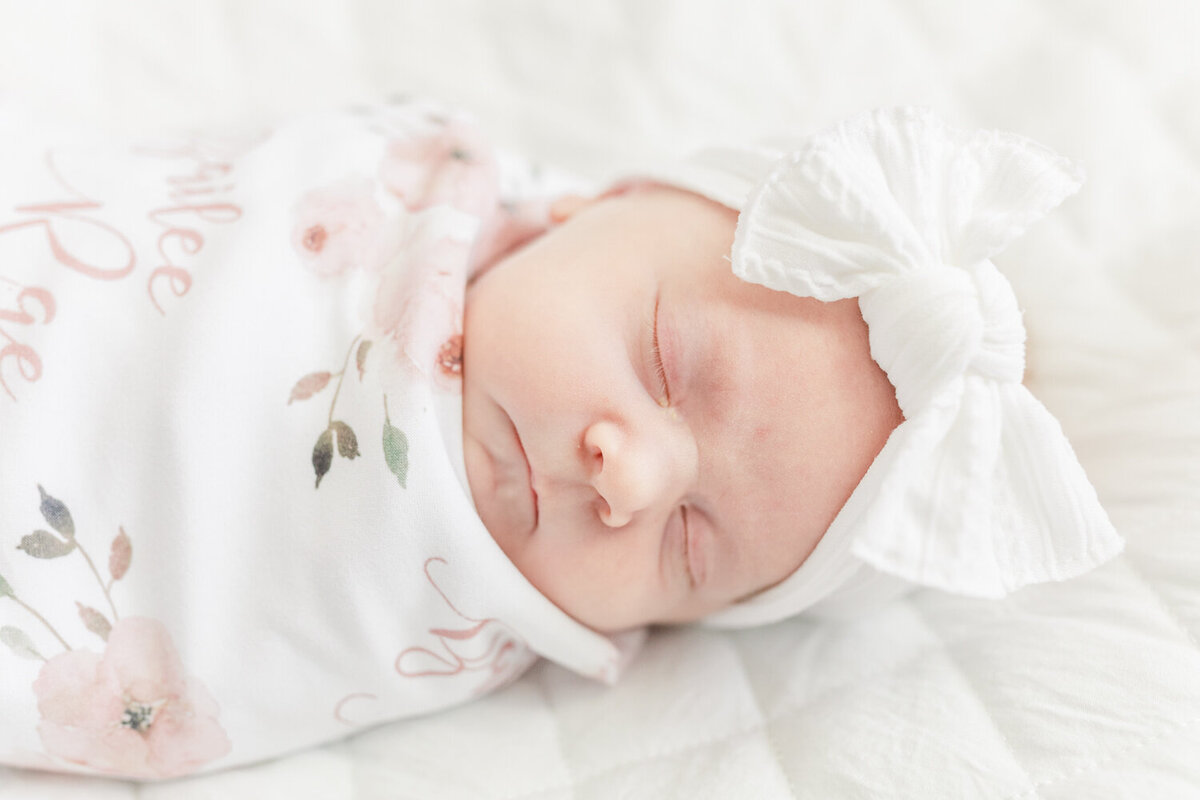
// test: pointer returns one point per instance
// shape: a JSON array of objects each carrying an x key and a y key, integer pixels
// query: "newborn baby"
[{"x": 356, "y": 419}]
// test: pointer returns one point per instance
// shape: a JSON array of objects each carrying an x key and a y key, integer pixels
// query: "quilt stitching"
[
  {"x": 558, "y": 729},
  {"x": 765, "y": 725},
  {"x": 991, "y": 717},
  {"x": 765, "y": 721},
  {"x": 1030, "y": 793},
  {"x": 1097, "y": 763},
  {"x": 662, "y": 755},
  {"x": 868, "y": 676},
  {"x": 1091, "y": 764},
  {"x": 1159, "y": 599}
]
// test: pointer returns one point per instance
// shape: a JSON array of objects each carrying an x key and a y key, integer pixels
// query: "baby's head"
[
  {"x": 675, "y": 410},
  {"x": 689, "y": 436}
]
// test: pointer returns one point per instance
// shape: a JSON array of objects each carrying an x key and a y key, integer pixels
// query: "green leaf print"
[
  {"x": 395, "y": 450},
  {"x": 43, "y": 544},
  {"x": 322, "y": 454},
  {"x": 56, "y": 514},
  {"x": 17, "y": 641},
  {"x": 347, "y": 442},
  {"x": 5, "y": 589}
]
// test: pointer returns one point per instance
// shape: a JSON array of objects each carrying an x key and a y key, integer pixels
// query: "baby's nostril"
[
  {"x": 609, "y": 516},
  {"x": 595, "y": 462},
  {"x": 603, "y": 509}
]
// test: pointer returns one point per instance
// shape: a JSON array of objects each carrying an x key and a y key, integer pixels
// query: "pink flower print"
[
  {"x": 449, "y": 359},
  {"x": 453, "y": 166},
  {"x": 131, "y": 711},
  {"x": 337, "y": 227},
  {"x": 416, "y": 321}
]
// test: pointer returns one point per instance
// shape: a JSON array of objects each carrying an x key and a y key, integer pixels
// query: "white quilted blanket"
[{"x": 1084, "y": 689}]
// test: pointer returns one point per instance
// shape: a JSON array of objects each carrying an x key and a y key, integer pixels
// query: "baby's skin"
[{"x": 648, "y": 437}]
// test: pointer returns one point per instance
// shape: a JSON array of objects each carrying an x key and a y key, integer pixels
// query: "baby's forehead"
[{"x": 689, "y": 235}]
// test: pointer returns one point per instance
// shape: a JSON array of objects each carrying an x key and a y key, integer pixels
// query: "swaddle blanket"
[{"x": 234, "y": 515}]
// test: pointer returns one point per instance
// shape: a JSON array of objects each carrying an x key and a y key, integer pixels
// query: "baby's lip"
[{"x": 683, "y": 538}]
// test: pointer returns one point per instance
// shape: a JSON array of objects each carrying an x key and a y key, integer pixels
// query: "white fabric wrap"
[{"x": 978, "y": 491}]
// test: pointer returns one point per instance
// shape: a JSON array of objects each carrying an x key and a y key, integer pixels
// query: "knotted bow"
[{"x": 978, "y": 491}]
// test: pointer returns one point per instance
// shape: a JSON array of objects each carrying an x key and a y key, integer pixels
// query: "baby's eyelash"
[{"x": 660, "y": 371}]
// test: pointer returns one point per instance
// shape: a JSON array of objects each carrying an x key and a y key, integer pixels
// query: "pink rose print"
[
  {"x": 131, "y": 711},
  {"x": 452, "y": 166},
  {"x": 449, "y": 360},
  {"x": 337, "y": 227},
  {"x": 417, "y": 317}
]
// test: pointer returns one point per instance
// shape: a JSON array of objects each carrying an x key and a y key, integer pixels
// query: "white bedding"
[{"x": 1084, "y": 689}]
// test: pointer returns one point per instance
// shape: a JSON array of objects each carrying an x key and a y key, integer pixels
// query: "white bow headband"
[{"x": 978, "y": 491}]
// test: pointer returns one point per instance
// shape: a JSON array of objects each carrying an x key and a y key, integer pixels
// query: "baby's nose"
[{"x": 634, "y": 471}]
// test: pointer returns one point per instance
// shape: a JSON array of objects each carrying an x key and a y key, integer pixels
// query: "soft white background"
[{"x": 1090, "y": 689}]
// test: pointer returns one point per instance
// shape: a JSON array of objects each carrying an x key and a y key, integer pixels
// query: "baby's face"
[{"x": 630, "y": 494}]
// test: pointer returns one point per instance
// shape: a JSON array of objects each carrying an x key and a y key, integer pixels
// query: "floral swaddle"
[{"x": 234, "y": 516}]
